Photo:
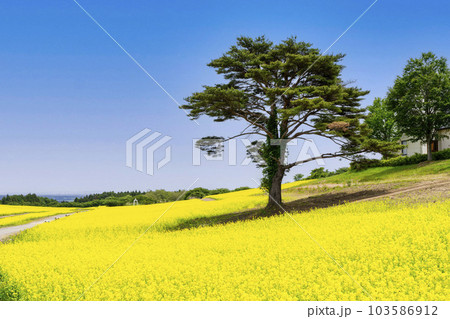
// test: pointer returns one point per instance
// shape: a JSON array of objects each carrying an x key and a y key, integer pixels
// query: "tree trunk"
[
  {"x": 429, "y": 157},
  {"x": 275, "y": 203}
]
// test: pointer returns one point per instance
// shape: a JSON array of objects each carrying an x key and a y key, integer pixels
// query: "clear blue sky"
[{"x": 70, "y": 98}]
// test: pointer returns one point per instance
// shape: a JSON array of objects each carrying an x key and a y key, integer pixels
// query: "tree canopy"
[
  {"x": 381, "y": 121},
  {"x": 420, "y": 99},
  {"x": 285, "y": 91}
]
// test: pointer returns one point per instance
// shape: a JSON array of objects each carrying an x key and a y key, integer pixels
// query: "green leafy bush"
[{"x": 442, "y": 155}]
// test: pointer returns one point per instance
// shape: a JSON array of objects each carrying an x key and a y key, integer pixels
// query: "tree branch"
[{"x": 323, "y": 156}]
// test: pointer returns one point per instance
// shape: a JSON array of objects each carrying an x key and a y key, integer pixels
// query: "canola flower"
[
  {"x": 6, "y": 210},
  {"x": 396, "y": 251},
  {"x": 27, "y": 217}
]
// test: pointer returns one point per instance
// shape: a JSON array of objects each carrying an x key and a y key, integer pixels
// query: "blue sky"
[{"x": 70, "y": 98}]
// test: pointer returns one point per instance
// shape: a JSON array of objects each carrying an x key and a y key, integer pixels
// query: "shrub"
[
  {"x": 442, "y": 155},
  {"x": 112, "y": 202},
  {"x": 243, "y": 188},
  {"x": 198, "y": 192},
  {"x": 340, "y": 170},
  {"x": 322, "y": 173},
  {"x": 363, "y": 163},
  {"x": 219, "y": 191},
  {"x": 318, "y": 173}
]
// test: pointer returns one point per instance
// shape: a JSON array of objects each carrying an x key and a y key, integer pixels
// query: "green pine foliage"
[{"x": 286, "y": 91}]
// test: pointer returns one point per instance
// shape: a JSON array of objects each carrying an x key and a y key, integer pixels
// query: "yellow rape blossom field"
[
  {"x": 6, "y": 210},
  {"x": 392, "y": 250},
  {"x": 28, "y": 215}
]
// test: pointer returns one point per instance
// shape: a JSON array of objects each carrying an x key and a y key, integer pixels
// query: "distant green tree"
[
  {"x": 319, "y": 173},
  {"x": 382, "y": 122},
  {"x": 142, "y": 200},
  {"x": 420, "y": 99},
  {"x": 340, "y": 170},
  {"x": 219, "y": 191},
  {"x": 201, "y": 192},
  {"x": 243, "y": 188},
  {"x": 298, "y": 177},
  {"x": 198, "y": 192}
]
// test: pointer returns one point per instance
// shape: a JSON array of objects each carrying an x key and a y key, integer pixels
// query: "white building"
[{"x": 421, "y": 148}]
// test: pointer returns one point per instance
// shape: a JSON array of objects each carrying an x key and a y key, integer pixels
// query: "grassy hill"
[{"x": 436, "y": 169}]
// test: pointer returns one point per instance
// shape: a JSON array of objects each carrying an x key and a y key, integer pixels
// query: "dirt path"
[
  {"x": 6, "y": 232},
  {"x": 418, "y": 191},
  {"x": 409, "y": 189}
]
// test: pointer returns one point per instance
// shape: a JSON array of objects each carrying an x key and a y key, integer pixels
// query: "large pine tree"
[{"x": 284, "y": 92}]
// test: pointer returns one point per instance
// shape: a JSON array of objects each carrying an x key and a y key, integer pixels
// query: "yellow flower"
[{"x": 393, "y": 250}]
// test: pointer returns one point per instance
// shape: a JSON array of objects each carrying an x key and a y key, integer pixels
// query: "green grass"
[{"x": 390, "y": 174}]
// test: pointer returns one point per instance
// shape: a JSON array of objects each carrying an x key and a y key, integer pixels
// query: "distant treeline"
[
  {"x": 200, "y": 192},
  {"x": 105, "y": 195},
  {"x": 115, "y": 199},
  {"x": 28, "y": 200}
]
